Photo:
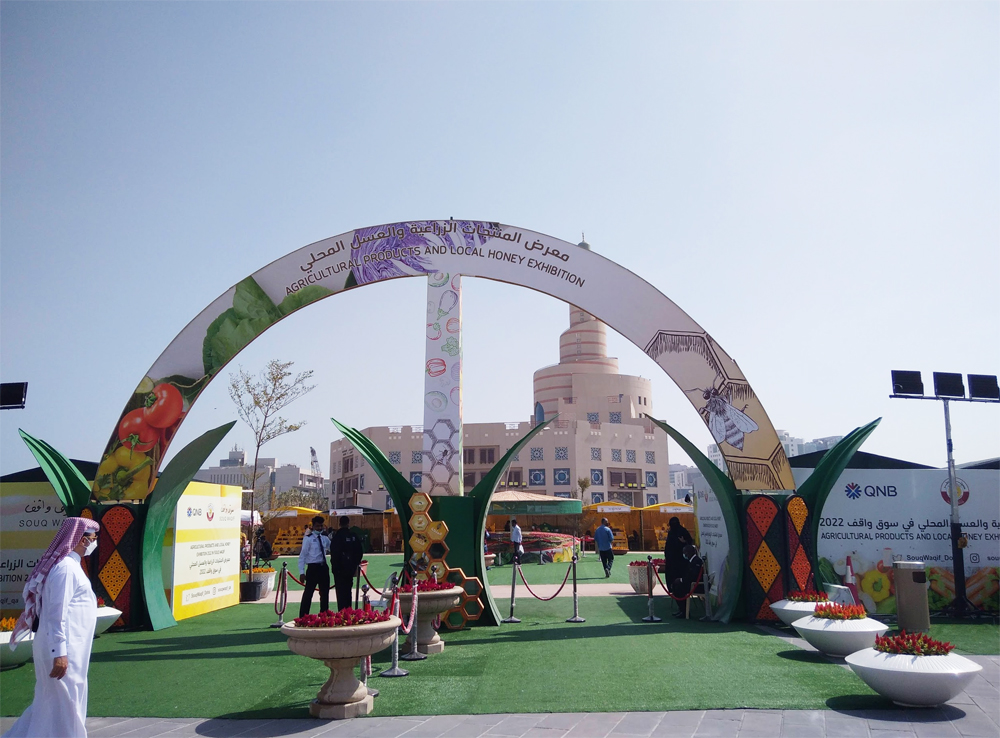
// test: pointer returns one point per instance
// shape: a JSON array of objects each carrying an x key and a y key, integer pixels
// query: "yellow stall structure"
[{"x": 621, "y": 518}]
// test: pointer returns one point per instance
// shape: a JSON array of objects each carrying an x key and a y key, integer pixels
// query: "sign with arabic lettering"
[
  {"x": 30, "y": 515},
  {"x": 206, "y": 563},
  {"x": 442, "y": 249},
  {"x": 876, "y": 517}
]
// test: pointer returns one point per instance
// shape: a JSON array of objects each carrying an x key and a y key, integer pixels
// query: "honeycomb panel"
[
  {"x": 437, "y": 550},
  {"x": 420, "y": 522},
  {"x": 438, "y": 530},
  {"x": 420, "y": 502}
]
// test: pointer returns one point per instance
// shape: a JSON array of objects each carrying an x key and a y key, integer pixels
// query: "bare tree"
[{"x": 259, "y": 399}]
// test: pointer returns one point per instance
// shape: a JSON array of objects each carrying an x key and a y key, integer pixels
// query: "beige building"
[{"x": 598, "y": 436}]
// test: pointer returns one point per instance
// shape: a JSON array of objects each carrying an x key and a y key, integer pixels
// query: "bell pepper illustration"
[{"x": 876, "y": 585}]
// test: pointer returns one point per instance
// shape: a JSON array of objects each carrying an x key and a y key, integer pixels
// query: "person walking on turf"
[
  {"x": 516, "y": 540},
  {"x": 312, "y": 566},
  {"x": 59, "y": 598},
  {"x": 604, "y": 538},
  {"x": 346, "y": 553}
]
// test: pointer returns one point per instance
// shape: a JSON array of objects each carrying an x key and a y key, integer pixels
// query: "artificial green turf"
[
  {"x": 228, "y": 663},
  {"x": 588, "y": 570},
  {"x": 968, "y": 637}
]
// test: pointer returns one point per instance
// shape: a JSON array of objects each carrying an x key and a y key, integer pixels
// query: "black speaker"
[
  {"x": 984, "y": 387},
  {"x": 13, "y": 395},
  {"x": 907, "y": 383},
  {"x": 948, "y": 385}
]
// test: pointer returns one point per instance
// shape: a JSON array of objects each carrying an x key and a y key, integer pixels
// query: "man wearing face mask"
[
  {"x": 312, "y": 566},
  {"x": 59, "y": 598}
]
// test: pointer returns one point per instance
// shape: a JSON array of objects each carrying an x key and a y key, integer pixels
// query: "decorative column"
[{"x": 442, "y": 458}]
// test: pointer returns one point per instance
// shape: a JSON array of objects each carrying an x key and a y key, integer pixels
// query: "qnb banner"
[
  {"x": 709, "y": 377},
  {"x": 876, "y": 517},
  {"x": 206, "y": 565}
]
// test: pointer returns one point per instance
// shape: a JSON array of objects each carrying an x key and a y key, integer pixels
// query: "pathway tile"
[{"x": 638, "y": 723}]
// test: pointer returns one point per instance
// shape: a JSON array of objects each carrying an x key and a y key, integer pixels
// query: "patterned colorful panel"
[
  {"x": 764, "y": 582},
  {"x": 800, "y": 571},
  {"x": 117, "y": 562}
]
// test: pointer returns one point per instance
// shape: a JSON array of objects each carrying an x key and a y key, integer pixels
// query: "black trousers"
[
  {"x": 343, "y": 581},
  {"x": 607, "y": 558},
  {"x": 317, "y": 577}
]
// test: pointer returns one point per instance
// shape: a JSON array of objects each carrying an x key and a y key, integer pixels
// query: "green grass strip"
[{"x": 230, "y": 664}]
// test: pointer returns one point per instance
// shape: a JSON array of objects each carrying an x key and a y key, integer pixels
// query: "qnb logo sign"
[
  {"x": 961, "y": 487},
  {"x": 855, "y": 490},
  {"x": 194, "y": 512}
]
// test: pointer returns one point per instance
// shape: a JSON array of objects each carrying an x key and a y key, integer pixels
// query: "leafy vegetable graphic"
[{"x": 251, "y": 314}]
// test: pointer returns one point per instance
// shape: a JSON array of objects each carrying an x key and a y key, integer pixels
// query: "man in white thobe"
[{"x": 66, "y": 608}]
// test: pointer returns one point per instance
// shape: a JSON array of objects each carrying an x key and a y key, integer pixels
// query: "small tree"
[
  {"x": 258, "y": 401},
  {"x": 584, "y": 484}
]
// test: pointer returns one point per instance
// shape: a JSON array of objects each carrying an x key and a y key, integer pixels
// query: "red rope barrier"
[
  {"x": 544, "y": 599},
  {"x": 685, "y": 597},
  {"x": 281, "y": 593},
  {"x": 374, "y": 589},
  {"x": 413, "y": 611},
  {"x": 301, "y": 584}
]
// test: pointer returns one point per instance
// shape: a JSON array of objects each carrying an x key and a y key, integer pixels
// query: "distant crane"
[{"x": 317, "y": 472}]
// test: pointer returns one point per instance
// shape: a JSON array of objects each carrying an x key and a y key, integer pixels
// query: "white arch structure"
[{"x": 711, "y": 380}]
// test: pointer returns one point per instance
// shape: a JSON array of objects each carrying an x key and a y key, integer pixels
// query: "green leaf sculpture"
[{"x": 71, "y": 487}]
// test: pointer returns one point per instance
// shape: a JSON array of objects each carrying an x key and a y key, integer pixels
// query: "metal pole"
[
  {"x": 960, "y": 604},
  {"x": 651, "y": 618},
  {"x": 576, "y": 599},
  {"x": 414, "y": 654},
  {"x": 394, "y": 670},
  {"x": 357, "y": 587},
  {"x": 513, "y": 580}
]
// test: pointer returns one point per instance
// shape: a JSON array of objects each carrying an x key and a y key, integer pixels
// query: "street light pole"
[{"x": 960, "y": 604}]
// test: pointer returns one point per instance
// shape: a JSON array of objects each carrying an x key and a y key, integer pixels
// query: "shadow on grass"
[
  {"x": 805, "y": 657},
  {"x": 227, "y": 645}
]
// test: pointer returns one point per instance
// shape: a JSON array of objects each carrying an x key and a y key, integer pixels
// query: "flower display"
[
  {"x": 656, "y": 562},
  {"x": 807, "y": 595},
  {"x": 259, "y": 570},
  {"x": 426, "y": 585},
  {"x": 343, "y": 618},
  {"x": 7, "y": 624},
  {"x": 835, "y": 611},
  {"x": 912, "y": 644},
  {"x": 100, "y": 602}
]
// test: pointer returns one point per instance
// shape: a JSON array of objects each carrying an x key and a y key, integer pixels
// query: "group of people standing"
[
  {"x": 682, "y": 564},
  {"x": 345, "y": 551}
]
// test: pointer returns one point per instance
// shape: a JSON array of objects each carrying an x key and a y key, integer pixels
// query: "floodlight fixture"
[
  {"x": 983, "y": 387},
  {"x": 13, "y": 395},
  {"x": 907, "y": 383},
  {"x": 947, "y": 384}
]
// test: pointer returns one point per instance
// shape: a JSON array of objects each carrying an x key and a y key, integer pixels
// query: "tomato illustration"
[
  {"x": 135, "y": 433},
  {"x": 164, "y": 406}
]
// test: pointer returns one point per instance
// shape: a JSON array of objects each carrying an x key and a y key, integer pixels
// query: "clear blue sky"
[{"x": 817, "y": 184}]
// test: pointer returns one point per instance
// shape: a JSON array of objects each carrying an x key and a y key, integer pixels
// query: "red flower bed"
[
  {"x": 835, "y": 611},
  {"x": 913, "y": 644},
  {"x": 807, "y": 595},
  {"x": 656, "y": 562},
  {"x": 349, "y": 616},
  {"x": 426, "y": 585}
]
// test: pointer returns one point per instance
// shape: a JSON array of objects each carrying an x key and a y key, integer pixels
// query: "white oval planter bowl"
[
  {"x": 106, "y": 617},
  {"x": 9, "y": 659},
  {"x": 839, "y": 637},
  {"x": 914, "y": 681},
  {"x": 788, "y": 612}
]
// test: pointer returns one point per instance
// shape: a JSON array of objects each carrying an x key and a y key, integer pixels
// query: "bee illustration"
[{"x": 726, "y": 422}]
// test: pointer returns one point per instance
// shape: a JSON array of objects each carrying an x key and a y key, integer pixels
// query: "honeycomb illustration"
[
  {"x": 471, "y": 607},
  {"x": 444, "y": 441},
  {"x": 437, "y": 531},
  {"x": 419, "y": 522},
  {"x": 420, "y": 502},
  {"x": 419, "y": 543}
]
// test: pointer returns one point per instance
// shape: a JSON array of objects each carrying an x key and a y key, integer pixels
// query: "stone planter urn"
[
  {"x": 106, "y": 617},
  {"x": 839, "y": 637},
  {"x": 913, "y": 681},
  {"x": 788, "y": 611},
  {"x": 490, "y": 559},
  {"x": 343, "y": 695},
  {"x": 267, "y": 578},
  {"x": 638, "y": 578},
  {"x": 9, "y": 659},
  {"x": 429, "y": 606}
]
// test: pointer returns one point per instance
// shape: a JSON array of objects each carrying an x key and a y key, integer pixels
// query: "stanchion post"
[
  {"x": 394, "y": 670},
  {"x": 651, "y": 618},
  {"x": 357, "y": 588},
  {"x": 281, "y": 593},
  {"x": 414, "y": 654},
  {"x": 576, "y": 599},
  {"x": 514, "y": 565}
]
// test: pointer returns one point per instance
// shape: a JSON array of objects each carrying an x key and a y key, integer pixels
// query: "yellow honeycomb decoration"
[
  {"x": 420, "y": 502},
  {"x": 419, "y": 542},
  {"x": 419, "y": 522},
  {"x": 437, "y": 531}
]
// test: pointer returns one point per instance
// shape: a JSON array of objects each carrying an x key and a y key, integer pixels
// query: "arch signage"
[{"x": 707, "y": 375}]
